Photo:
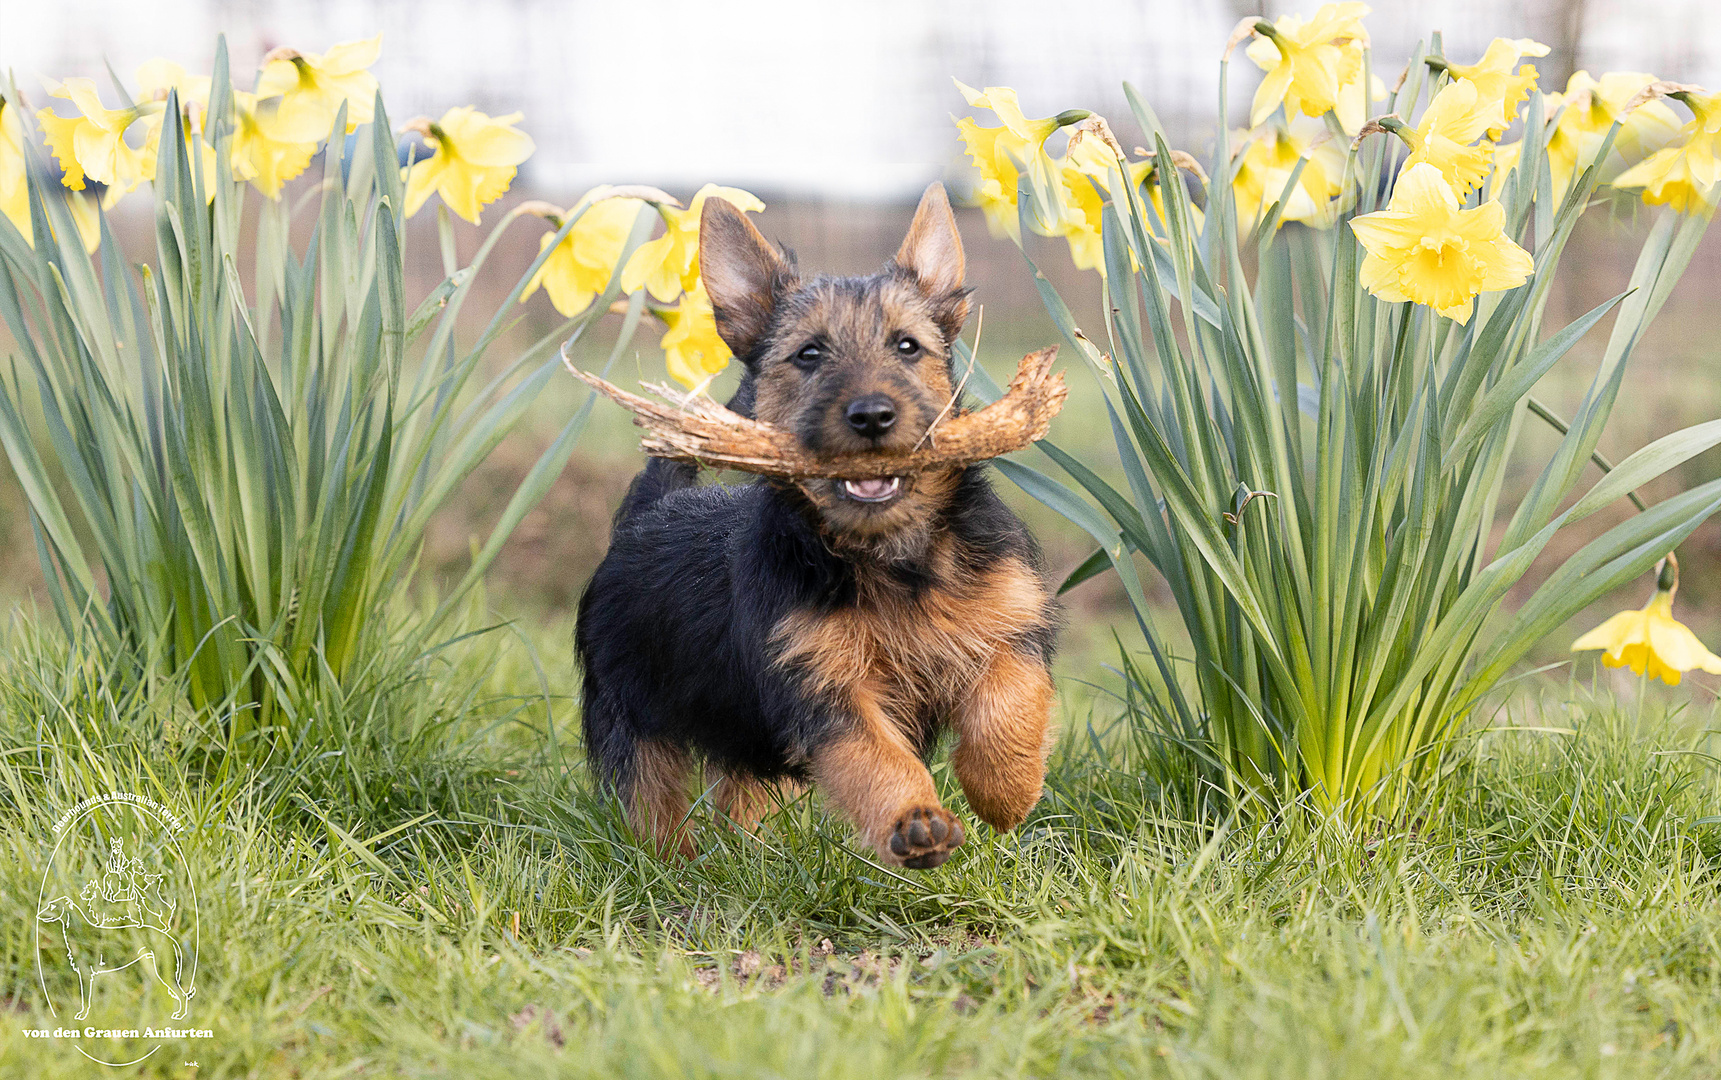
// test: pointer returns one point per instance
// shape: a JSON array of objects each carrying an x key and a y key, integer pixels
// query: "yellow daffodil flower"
[
  {"x": 261, "y": 152},
  {"x": 475, "y": 159},
  {"x": 1265, "y": 164},
  {"x": 996, "y": 150},
  {"x": 15, "y": 190},
  {"x": 1085, "y": 171},
  {"x": 580, "y": 267},
  {"x": 1455, "y": 119},
  {"x": 93, "y": 144},
  {"x": 669, "y": 265},
  {"x": 1424, "y": 247},
  {"x": 1684, "y": 176},
  {"x": 992, "y": 150},
  {"x": 156, "y": 78},
  {"x": 1650, "y": 640},
  {"x": 1678, "y": 176},
  {"x": 1308, "y": 63},
  {"x": 1590, "y": 108},
  {"x": 1352, "y": 107},
  {"x": 14, "y": 187},
  {"x": 1499, "y": 89},
  {"x": 1690, "y": 172},
  {"x": 1506, "y": 157},
  {"x": 1005, "y": 106},
  {"x": 1704, "y": 131},
  {"x": 691, "y": 348},
  {"x": 1084, "y": 216},
  {"x": 312, "y": 87}
]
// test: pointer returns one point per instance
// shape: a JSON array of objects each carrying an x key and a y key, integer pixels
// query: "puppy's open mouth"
[{"x": 880, "y": 490}]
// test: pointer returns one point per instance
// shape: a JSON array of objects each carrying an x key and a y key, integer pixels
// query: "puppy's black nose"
[{"x": 872, "y": 415}]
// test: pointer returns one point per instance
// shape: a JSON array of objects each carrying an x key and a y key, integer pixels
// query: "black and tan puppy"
[{"x": 824, "y": 630}]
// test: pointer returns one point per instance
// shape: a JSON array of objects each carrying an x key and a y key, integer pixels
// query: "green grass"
[{"x": 1552, "y": 914}]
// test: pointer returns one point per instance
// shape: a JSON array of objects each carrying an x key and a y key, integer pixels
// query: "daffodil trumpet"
[{"x": 1428, "y": 248}]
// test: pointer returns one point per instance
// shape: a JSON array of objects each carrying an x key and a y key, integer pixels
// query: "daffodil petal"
[
  {"x": 421, "y": 183},
  {"x": 1270, "y": 93},
  {"x": 1614, "y": 634},
  {"x": 349, "y": 56},
  {"x": 1674, "y": 643},
  {"x": 496, "y": 146},
  {"x": 82, "y": 93},
  {"x": 745, "y": 201}
]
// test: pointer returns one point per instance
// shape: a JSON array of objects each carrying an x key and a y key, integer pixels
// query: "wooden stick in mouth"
[{"x": 691, "y": 427}]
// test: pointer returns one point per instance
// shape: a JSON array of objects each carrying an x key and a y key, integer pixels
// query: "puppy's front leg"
[
  {"x": 1002, "y": 738},
  {"x": 871, "y": 772}
]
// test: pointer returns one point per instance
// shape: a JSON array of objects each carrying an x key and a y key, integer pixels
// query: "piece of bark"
[{"x": 691, "y": 427}]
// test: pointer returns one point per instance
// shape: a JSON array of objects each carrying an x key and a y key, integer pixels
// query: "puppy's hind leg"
[
  {"x": 657, "y": 800},
  {"x": 650, "y": 777},
  {"x": 746, "y": 801}
]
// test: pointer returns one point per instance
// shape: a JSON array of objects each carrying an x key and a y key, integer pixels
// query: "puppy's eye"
[
  {"x": 908, "y": 348},
  {"x": 808, "y": 357}
]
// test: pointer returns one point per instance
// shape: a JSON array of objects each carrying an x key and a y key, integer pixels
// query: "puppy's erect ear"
[
  {"x": 743, "y": 274},
  {"x": 932, "y": 253}
]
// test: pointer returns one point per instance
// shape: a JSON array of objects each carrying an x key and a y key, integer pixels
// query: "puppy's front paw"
[{"x": 924, "y": 837}]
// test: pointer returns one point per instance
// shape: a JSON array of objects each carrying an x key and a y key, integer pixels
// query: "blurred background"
[
  {"x": 837, "y": 116},
  {"x": 808, "y": 100}
]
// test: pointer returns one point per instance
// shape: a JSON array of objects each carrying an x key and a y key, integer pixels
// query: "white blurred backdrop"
[{"x": 806, "y": 98}]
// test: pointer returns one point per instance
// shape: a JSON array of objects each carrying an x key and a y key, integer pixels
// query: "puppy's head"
[{"x": 846, "y": 363}]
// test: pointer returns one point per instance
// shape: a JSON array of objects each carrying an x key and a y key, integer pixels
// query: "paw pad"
[{"x": 924, "y": 837}]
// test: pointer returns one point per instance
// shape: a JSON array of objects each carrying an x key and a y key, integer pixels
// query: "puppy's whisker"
[{"x": 956, "y": 394}]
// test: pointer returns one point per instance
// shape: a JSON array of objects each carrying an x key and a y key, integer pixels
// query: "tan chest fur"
[{"x": 913, "y": 654}]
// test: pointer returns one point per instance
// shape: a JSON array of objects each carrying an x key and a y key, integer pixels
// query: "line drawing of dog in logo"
[{"x": 123, "y": 900}]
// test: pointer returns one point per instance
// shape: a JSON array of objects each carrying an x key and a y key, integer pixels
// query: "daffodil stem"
[{"x": 1562, "y": 427}]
